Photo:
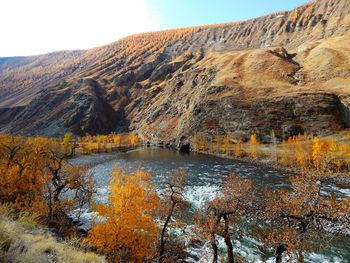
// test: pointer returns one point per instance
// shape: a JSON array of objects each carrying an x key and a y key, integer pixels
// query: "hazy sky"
[{"x": 30, "y": 27}]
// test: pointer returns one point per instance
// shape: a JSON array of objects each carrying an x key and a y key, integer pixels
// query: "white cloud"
[{"x": 41, "y": 26}]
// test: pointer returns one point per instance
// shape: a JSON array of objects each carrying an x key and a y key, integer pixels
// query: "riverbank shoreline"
[
  {"x": 110, "y": 155},
  {"x": 338, "y": 179}
]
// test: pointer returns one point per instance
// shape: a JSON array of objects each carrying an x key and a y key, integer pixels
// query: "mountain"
[{"x": 287, "y": 72}]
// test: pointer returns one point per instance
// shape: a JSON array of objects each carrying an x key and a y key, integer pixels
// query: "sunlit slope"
[{"x": 284, "y": 71}]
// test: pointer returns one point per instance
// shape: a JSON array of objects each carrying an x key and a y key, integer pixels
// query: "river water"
[{"x": 205, "y": 175}]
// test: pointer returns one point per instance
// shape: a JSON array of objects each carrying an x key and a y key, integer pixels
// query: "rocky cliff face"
[{"x": 287, "y": 72}]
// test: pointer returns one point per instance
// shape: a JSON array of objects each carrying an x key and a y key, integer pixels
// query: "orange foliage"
[
  {"x": 200, "y": 143},
  {"x": 21, "y": 173},
  {"x": 134, "y": 139},
  {"x": 216, "y": 143},
  {"x": 233, "y": 203},
  {"x": 317, "y": 153},
  {"x": 106, "y": 143},
  {"x": 254, "y": 145},
  {"x": 127, "y": 230},
  {"x": 227, "y": 143},
  {"x": 34, "y": 174},
  {"x": 299, "y": 214},
  {"x": 238, "y": 149}
]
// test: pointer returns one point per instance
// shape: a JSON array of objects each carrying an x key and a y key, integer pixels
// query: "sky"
[{"x": 31, "y": 27}]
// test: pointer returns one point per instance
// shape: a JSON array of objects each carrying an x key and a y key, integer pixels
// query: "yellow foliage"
[
  {"x": 238, "y": 149},
  {"x": 134, "y": 139},
  {"x": 323, "y": 151},
  {"x": 34, "y": 173},
  {"x": 128, "y": 229},
  {"x": 200, "y": 143},
  {"x": 302, "y": 152},
  {"x": 226, "y": 143},
  {"x": 216, "y": 144},
  {"x": 254, "y": 145},
  {"x": 117, "y": 140},
  {"x": 68, "y": 142},
  {"x": 106, "y": 143}
]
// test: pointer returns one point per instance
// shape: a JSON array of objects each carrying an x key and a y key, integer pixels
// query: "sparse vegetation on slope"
[
  {"x": 265, "y": 72},
  {"x": 24, "y": 240}
]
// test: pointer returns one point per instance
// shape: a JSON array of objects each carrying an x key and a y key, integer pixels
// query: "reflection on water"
[{"x": 205, "y": 174}]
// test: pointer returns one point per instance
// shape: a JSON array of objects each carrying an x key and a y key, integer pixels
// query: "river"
[{"x": 205, "y": 174}]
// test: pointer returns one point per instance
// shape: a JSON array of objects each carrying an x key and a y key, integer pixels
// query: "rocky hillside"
[{"x": 287, "y": 72}]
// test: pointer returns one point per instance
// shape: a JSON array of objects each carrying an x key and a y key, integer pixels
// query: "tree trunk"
[
  {"x": 162, "y": 236},
  {"x": 50, "y": 213},
  {"x": 214, "y": 246},
  {"x": 300, "y": 257},
  {"x": 281, "y": 248},
  {"x": 230, "y": 257}
]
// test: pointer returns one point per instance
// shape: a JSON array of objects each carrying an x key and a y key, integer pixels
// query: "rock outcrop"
[{"x": 80, "y": 107}]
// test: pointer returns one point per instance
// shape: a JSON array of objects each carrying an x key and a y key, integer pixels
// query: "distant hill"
[{"x": 284, "y": 71}]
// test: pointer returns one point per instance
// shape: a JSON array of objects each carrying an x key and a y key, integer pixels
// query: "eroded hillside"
[{"x": 285, "y": 72}]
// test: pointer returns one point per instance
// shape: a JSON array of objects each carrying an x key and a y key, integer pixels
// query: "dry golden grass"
[
  {"x": 260, "y": 73},
  {"x": 24, "y": 241}
]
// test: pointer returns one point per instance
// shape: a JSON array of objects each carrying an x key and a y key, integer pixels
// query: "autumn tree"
[
  {"x": 301, "y": 152},
  {"x": 35, "y": 175},
  {"x": 134, "y": 139},
  {"x": 227, "y": 143},
  {"x": 172, "y": 200},
  {"x": 60, "y": 177},
  {"x": 68, "y": 143},
  {"x": 323, "y": 153},
  {"x": 220, "y": 216},
  {"x": 200, "y": 143},
  {"x": 126, "y": 230},
  {"x": 302, "y": 214},
  {"x": 216, "y": 143},
  {"x": 254, "y": 143},
  {"x": 21, "y": 172},
  {"x": 117, "y": 140},
  {"x": 238, "y": 150}
]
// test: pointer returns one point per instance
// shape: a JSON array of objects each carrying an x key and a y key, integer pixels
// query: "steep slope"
[
  {"x": 80, "y": 107},
  {"x": 287, "y": 71},
  {"x": 243, "y": 92},
  {"x": 21, "y": 77}
]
